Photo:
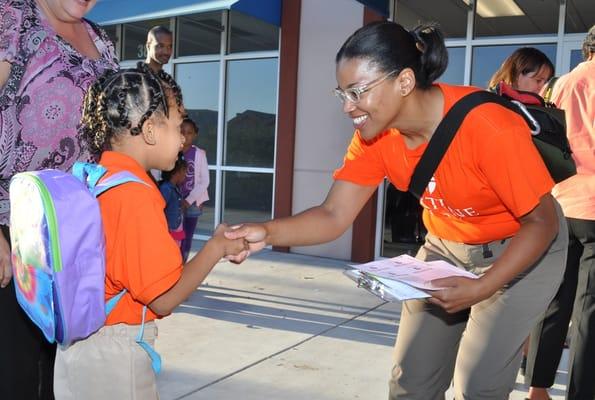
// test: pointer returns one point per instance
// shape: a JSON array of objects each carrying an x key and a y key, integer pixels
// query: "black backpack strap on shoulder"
[{"x": 445, "y": 133}]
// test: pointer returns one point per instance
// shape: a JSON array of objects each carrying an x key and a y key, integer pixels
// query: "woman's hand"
[
  {"x": 230, "y": 247},
  {"x": 459, "y": 293},
  {"x": 5, "y": 264},
  {"x": 253, "y": 234}
]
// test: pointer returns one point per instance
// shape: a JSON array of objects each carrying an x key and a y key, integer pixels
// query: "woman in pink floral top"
[{"x": 49, "y": 56}]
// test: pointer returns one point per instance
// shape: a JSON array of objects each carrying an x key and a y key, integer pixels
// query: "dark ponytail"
[
  {"x": 434, "y": 56},
  {"x": 390, "y": 47}
]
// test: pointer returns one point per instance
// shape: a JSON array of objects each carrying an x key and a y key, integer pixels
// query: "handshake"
[{"x": 237, "y": 242}]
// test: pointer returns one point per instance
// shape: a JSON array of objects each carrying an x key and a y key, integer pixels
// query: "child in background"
[
  {"x": 169, "y": 188},
  {"x": 527, "y": 69},
  {"x": 132, "y": 118},
  {"x": 194, "y": 188}
]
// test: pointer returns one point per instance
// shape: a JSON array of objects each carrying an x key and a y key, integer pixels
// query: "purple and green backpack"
[{"x": 58, "y": 249}]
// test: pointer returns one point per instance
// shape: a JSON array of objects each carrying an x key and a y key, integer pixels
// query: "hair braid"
[{"x": 121, "y": 102}]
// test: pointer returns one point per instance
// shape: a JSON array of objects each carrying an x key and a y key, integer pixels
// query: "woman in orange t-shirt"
[{"x": 488, "y": 209}]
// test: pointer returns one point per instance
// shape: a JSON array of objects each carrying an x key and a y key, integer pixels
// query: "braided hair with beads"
[{"x": 120, "y": 102}]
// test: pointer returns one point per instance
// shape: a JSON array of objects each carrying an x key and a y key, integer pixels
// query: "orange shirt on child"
[
  {"x": 141, "y": 256},
  {"x": 490, "y": 176}
]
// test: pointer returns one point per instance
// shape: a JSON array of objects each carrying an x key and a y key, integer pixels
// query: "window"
[
  {"x": 247, "y": 197},
  {"x": 576, "y": 57},
  {"x": 199, "y": 34},
  {"x": 200, "y": 89},
  {"x": 487, "y": 59},
  {"x": 247, "y": 33},
  {"x": 112, "y": 33},
  {"x": 206, "y": 222},
  {"x": 135, "y": 38},
  {"x": 250, "y": 112},
  {"x": 455, "y": 72}
]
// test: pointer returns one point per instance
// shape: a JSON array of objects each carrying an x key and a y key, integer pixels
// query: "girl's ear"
[{"x": 148, "y": 132}]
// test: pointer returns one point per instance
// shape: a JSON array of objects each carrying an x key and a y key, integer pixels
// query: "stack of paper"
[{"x": 403, "y": 277}]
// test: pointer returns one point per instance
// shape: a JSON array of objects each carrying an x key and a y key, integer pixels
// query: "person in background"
[
  {"x": 170, "y": 190},
  {"x": 195, "y": 186},
  {"x": 49, "y": 56},
  {"x": 159, "y": 47},
  {"x": 503, "y": 225},
  {"x": 575, "y": 94},
  {"x": 132, "y": 118},
  {"x": 527, "y": 69}
]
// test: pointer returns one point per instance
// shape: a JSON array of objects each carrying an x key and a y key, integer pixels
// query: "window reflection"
[
  {"x": 251, "y": 34},
  {"x": 112, "y": 33},
  {"x": 455, "y": 72},
  {"x": 200, "y": 89},
  {"x": 576, "y": 57},
  {"x": 487, "y": 59},
  {"x": 135, "y": 37},
  {"x": 250, "y": 113},
  {"x": 199, "y": 34},
  {"x": 516, "y": 17},
  {"x": 450, "y": 14},
  {"x": 247, "y": 197}
]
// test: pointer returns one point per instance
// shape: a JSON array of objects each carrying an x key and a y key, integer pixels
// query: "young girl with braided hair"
[{"x": 132, "y": 119}]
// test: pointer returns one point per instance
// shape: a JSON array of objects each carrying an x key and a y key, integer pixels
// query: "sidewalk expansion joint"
[{"x": 280, "y": 352}]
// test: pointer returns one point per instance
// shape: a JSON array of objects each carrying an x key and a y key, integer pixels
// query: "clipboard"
[{"x": 386, "y": 289}]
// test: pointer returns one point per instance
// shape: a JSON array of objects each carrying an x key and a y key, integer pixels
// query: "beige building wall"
[{"x": 322, "y": 130}]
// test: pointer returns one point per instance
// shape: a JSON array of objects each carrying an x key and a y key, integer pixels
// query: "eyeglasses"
[{"x": 354, "y": 94}]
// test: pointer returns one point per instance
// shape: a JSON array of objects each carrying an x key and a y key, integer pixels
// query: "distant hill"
[
  {"x": 251, "y": 143},
  {"x": 251, "y": 139}
]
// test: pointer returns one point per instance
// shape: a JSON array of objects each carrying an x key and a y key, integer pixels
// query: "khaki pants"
[
  {"x": 107, "y": 365},
  {"x": 478, "y": 349}
]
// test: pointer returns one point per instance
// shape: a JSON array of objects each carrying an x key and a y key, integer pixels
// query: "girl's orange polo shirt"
[
  {"x": 141, "y": 255},
  {"x": 490, "y": 176}
]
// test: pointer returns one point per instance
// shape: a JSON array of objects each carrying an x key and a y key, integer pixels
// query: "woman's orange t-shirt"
[{"x": 490, "y": 176}]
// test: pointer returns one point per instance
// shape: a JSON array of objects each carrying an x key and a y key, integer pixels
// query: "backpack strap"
[
  {"x": 88, "y": 173},
  {"x": 91, "y": 174},
  {"x": 116, "y": 179},
  {"x": 111, "y": 303},
  {"x": 448, "y": 127},
  {"x": 155, "y": 357}
]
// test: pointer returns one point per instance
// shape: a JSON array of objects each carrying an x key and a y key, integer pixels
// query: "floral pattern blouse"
[{"x": 41, "y": 103}]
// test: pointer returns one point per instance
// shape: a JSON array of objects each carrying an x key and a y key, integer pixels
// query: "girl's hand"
[
  {"x": 459, "y": 293},
  {"x": 231, "y": 247},
  {"x": 253, "y": 234}
]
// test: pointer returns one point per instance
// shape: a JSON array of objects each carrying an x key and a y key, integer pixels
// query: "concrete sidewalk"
[{"x": 282, "y": 326}]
